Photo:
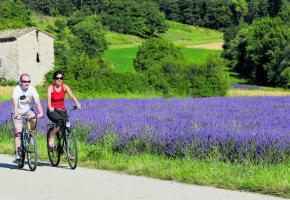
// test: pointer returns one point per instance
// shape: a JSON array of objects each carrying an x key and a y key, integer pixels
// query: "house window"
[
  {"x": 37, "y": 58},
  {"x": 1, "y": 62},
  {"x": 37, "y": 35}
]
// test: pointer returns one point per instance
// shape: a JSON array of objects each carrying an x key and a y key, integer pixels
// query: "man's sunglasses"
[
  {"x": 25, "y": 81},
  {"x": 58, "y": 78}
]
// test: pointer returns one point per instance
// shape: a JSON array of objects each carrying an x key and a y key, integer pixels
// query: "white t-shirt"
[{"x": 28, "y": 102}]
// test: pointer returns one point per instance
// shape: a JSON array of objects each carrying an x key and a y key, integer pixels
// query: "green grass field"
[
  {"x": 122, "y": 58},
  {"x": 180, "y": 34},
  {"x": 186, "y": 35}
]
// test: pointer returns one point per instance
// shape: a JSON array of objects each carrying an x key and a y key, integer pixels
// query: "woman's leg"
[{"x": 56, "y": 118}]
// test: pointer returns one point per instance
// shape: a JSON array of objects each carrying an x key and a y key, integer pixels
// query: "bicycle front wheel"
[
  {"x": 54, "y": 153},
  {"x": 71, "y": 150},
  {"x": 32, "y": 151}
]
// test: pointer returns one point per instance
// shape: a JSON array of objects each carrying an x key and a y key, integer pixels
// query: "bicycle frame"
[{"x": 28, "y": 139}]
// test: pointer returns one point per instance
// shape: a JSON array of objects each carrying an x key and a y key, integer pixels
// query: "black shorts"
[{"x": 57, "y": 115}]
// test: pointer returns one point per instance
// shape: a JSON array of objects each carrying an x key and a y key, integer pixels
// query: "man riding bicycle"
[{"x": 24, "y": 98}]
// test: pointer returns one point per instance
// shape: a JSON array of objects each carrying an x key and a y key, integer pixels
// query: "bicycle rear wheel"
[
  {"x": 54, "y": 153},
  {"x": 71, "y": 150},
  {"x": 32, "y": 151}
]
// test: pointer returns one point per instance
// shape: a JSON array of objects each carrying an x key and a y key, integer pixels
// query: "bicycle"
[
  {"x": 65, "y": 141},
  {"x": 28, "y": 145}
]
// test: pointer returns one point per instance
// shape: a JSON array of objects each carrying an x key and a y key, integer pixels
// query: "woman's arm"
[
  {"x": 69, "y": 92},
  {"x": 49, "y": 90}
]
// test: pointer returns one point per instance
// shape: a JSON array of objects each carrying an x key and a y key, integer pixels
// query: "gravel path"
[{"x": 62, "y": 183}]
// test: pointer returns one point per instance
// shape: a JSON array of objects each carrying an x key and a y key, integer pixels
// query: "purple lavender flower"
[{"x": 235, "y": 129}]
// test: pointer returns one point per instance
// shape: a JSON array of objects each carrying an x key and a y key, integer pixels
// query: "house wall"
[
  {"x": 29, "y": 45},
  {"x": 9, "y": 57}
]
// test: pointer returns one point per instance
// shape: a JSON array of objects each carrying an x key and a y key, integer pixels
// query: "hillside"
[{"x": 178, "y": 33}]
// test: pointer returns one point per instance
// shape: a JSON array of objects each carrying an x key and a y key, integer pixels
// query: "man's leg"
[
  {"x": 17, "y": 136},
  {"x": 30, "y": 114}
]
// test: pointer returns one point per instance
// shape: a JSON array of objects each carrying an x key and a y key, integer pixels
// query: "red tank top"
[{"x": 57, "y": 98}]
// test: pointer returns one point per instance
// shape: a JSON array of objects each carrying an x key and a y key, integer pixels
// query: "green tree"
[
  {"x": 241, "y": 9},
  {"x": 154, "y": 51},
  {"x": 258, "y": 51},
  {"x": 13, "y": 14},
  {"x": 89, "y": 37},
  {"x": 141, "y": 18}
]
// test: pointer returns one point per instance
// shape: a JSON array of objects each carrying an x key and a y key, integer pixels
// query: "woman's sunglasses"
[{"x": 58, "y": 78}]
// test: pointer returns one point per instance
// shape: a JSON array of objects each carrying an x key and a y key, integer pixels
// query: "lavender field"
[{"x": 247, "y": 129}]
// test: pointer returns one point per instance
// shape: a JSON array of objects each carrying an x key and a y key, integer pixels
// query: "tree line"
[
  {"x": 140, "y": 18},
  {"x": 260, "y": 51},
  {"x": 218, "y": 14}
]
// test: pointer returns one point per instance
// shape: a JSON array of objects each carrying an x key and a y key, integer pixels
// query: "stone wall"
[
  {"x": 9, "y": 60},
  {"x": 36, "y": 55}
]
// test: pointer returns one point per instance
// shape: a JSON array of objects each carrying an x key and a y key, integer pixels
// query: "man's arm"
[
  {"x": 15, "y": 109},
  {"x": 39, "y": 107}
]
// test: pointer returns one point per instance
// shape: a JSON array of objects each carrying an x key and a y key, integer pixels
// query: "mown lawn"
[
  {"x": 122, "y": 58},
  {"x": 186, "y": 35}
]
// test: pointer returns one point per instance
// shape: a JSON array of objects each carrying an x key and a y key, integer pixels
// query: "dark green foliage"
[
  {"x": 141, "y": 18},
  {"x": 208, "y": 13},
  {"x": 111, "y": 82},
  {"x": 259, "y": 51},
  {"x": 13, "y": 14},
  {"x": 284, "y": 79},
  {"x": 168, "y": 72},
  {"x": 89, "y": 37},
  {"x": 51, "y": 7},
  {"x": 154, "y": 51},
  {"x": 6, "y": 82},
  {"x": 79, "y": 50},
  {"x": 136, "y": 17},
  {"x": 220, "y": 13}
]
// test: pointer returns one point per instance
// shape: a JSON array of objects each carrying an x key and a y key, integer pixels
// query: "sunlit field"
[
  {"x": 5, "y": 93},
  {"x": 239, "y": 92}
]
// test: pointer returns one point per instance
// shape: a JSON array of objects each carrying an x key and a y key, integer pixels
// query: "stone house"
[{"x": 27, "y": 50}]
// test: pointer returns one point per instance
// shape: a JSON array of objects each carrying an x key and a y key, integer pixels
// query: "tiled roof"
[{"x": 13, "y": 34}]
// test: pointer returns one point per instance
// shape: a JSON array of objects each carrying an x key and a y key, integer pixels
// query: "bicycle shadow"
[
  {"x": 11, "y": 166},
  {"x": 46, "y": 164},
  {"x": 14, "y": 166}
]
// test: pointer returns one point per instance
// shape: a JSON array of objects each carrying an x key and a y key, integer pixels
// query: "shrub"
[
  {"x": 168, "y": 72},
  {"x": 6, "y": 82},
  {"x": 155, "y": 51}
]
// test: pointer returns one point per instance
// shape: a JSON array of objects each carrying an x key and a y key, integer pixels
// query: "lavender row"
[{"x": 232, "y": 129}]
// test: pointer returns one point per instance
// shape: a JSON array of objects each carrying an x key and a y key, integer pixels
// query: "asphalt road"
[{"x": 62, "y": 183}]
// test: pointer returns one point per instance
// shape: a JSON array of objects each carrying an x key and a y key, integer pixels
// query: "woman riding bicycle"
[{"x": 55, "y": 104}]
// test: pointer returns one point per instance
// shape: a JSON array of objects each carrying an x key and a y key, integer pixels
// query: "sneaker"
[{"x": 17, "y": 156}]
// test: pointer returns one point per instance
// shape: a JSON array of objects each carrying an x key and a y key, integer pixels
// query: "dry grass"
[
  {"x": 6, "y": 91},
  {"x": 239, "y": 92},
  {"x": 211, "y": 46}
]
